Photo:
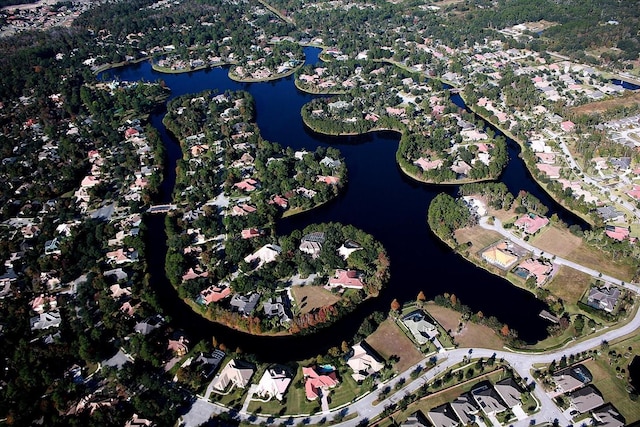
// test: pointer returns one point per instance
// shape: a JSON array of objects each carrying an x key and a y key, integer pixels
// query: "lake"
[{"x": 378, "y": 199}]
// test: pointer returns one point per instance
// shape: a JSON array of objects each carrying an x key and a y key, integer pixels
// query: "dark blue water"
[
  {"x": 378, "y": 199},
  {"x": 625, "y": 84}
]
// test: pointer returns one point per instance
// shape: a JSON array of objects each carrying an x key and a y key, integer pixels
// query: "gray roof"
[
  {"x": 488, "y": 399},
  {"x": 509, "y": 392},
  {"x": 608, "y": 416},
  {"x": 603, "y": 298},
  {"x": 465, "y": 408},
  {"x": 244, "y": 304},
  {"x": 572, "y": 378},
  {"x": 417, "y": 419},
  {"x": 585, "y": 399},
  {"x": 443, "y": 416},
  {"x": 608, "y": 213}
]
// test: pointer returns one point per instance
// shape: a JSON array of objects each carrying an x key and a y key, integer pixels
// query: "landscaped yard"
[
  {"x": 564, "y": 244},
  {"x": 471, "y": 335},
  {"x": 309, "y": 297},
  {"x": 389, "y": 340}
]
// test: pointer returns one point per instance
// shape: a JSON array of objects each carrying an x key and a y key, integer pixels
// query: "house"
[
  {"x": 572, "y": 378},
  {"x": 148, "y": 325},
  {"x": 330, "y": 163},
  {"x": 535, "y": 268},
  {"x": 443, "y": 416},
  {"x": 50, "y": 319},
  {"x": 421, "y": 329},
  {"x": 40, "y": 303},
  {"x": 117, "y": 291},
  {"x": 500, "y": 255},
  {"x": 312, "y": 243},
  {"x": 51, "y": 247},
  {"x": 603, "y": 298},
  {"x": 280, "y": 201},
  {"x": 426, "y": 165},
  {"x": 136, "y": 421},
  {"x": 417, "y": 419},
  {"x": 488, "y": 400},
  {"x": 244, "y": 304},
  {"x": 273, "y": 383},
  {"x": 346, "y": 279},
  {"x": 610, "y": 214},
  {"x": 364, "y": 361},
  {"x": 122, "y": 256},
  {"x": 509, "y": 392},
  {"x": 277, "y": 307},
  {"x": 465, "y": 408},
  {"x": 552, "y": 172},
  {"x": 585, "y": 399},
  {"x": 531, "y": 223},
  {"x": 617, "y": 233},
  {"x": 249, "y": 233},
  {"x": 608, "y": 416},
  {"x": 178, "y": 347},
  {"x": 318, "y": 381},
  {"x": 118, "y": 360},
  {"x": 266, "y": 254},
  {"x": 214, "y": 293},
  {"x": 328, "y": 179},
  {"x": 567, "y": 126},
  {"x": 347, "y": 248},
  {"x": 236, "y": 373},
  {"x": 247, "y": 185},
  {"x": 209, "y": 362}
]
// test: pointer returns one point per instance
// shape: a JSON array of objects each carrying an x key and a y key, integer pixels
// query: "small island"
[{"x": 224, "y": 257}]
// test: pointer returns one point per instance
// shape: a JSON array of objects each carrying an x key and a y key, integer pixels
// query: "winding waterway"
[{"x": 379, "y": 199}]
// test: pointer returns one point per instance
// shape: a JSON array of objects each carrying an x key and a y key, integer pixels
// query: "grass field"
[
  {"x": 569, "y": 284},
  {"x": 309, "y": 297},
  {"x": 471, "y": 335},
  {"x": 564, "y": 244},
  {"x": 388, "y": 340},
  {"x": 602, "y": 106},
  {"x": 478, "y": 236}
]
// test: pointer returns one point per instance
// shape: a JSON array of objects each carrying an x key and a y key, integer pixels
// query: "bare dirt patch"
[
  {"x": 388, "y": 340},
  {"x": 602, "y": 106},
  {"x": 471, "y": 335},
  {"x": 310, "y": 297}
]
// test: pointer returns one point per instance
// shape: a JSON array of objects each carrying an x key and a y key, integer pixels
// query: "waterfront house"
[
  {"x": 421, "y": 329},
  {"x": 213, "y": 293},
  {"x": 603, "y": 298},
  {"x": 364, "y": 361},
  {"x": 318, "y": 381},
  {"x": 244, "y": 304},
  {"x": 346, "y": 279},
  {"x": 236, "y": 373},
  {"x": 274, "y": 383},
  {"x": 209, "y": 363},
  {"x": 312, "y": 243},
  {"x": 530, "y": 223},
  {"x": 499, "y": 255}
]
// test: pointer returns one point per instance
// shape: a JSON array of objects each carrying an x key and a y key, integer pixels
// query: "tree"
[
  {"x": 421, "y": 297},
  {"x": 395, "y": 305},
  {"x": 505, "y": 330}
]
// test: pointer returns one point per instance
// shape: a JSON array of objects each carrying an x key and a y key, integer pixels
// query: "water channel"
[{"x": 379, "y": 199}]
